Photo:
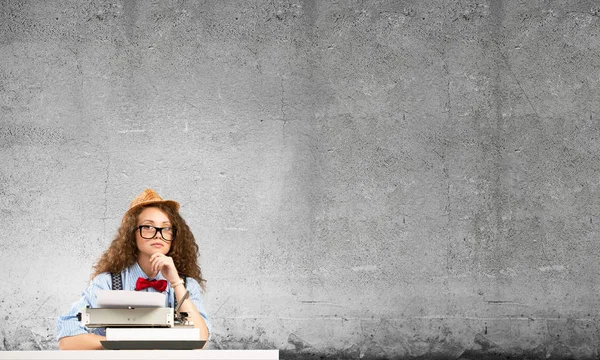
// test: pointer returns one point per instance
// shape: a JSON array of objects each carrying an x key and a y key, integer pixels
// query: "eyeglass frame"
[{"x": 156, "y": 231}]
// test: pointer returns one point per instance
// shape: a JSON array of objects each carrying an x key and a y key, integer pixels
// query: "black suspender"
[
  {"x": 117, "y": 284},
  {"x": 117, "y": 281}
]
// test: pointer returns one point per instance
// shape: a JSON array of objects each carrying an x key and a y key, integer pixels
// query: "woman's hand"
[{"x": 165, "y": 265}]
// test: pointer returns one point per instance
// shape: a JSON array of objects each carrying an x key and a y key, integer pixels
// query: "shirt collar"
[{"x": 137, "y": 271}]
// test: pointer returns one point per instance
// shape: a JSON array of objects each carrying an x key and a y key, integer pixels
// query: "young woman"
[{"x": 153, "y": 243}]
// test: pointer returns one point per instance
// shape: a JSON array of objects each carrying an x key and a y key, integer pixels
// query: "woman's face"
[{"x": 151, "y": 243}]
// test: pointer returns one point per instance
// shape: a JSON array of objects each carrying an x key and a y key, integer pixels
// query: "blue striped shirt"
[{"x": 68, "y": 325}]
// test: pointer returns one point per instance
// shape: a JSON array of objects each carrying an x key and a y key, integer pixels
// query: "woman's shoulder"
[{"x": 101, "y": 279}]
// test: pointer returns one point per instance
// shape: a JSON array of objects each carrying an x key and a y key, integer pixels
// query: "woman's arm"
[
  {"x": 70, "y": 333},
  {"x": 194, "y": 304},
  {"x": 81, "y": 342},
  {"x": 189, "y": 307}
]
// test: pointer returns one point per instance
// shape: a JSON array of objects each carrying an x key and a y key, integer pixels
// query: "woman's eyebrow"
[{"x": 152, "y": 221}]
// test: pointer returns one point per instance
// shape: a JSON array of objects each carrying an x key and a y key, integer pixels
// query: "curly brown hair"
[{"x": 123, "y": 251}]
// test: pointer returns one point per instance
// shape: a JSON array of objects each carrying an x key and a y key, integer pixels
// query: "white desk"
[{"x": 141, "y": 354}]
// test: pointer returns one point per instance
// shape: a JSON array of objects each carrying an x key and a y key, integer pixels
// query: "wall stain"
[{"x": 298, "y": 342}]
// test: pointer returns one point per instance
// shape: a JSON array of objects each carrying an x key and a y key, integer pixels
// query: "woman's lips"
[{"x": 157, "y": 245}]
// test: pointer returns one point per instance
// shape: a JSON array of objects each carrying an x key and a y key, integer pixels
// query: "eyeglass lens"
[{"x": 149, "y": 232}]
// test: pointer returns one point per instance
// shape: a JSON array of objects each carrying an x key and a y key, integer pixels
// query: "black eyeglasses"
[{"x": 149, "y": 232}]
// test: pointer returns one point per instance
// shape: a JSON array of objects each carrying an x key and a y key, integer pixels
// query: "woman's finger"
[{"x": 156, "y": 264}]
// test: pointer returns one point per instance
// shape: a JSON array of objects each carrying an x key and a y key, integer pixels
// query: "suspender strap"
[{"x": 116, "y": 281}]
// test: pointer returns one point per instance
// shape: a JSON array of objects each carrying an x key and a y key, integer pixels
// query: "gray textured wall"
[{"x": 365, "y": 178}]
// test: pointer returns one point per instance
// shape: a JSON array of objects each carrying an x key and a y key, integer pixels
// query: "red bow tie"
[{"x": 159, "y": 285}]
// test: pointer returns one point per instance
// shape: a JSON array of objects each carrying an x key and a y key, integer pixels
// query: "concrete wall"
[{"x": 365, "y": 178}]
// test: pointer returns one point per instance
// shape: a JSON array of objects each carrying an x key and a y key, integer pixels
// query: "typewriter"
[{"x": 131, "y": 327}]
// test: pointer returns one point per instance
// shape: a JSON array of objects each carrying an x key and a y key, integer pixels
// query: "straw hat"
[{"x": 148, "y": 197}]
